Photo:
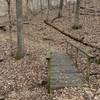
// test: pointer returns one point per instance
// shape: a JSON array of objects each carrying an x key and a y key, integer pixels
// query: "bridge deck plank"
[{"x": 63, "y": 72}]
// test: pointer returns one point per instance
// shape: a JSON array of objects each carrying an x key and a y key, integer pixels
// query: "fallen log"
[{"x": 73, "y": 38}]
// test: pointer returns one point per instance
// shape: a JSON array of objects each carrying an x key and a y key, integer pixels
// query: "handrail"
[
  {"x": 89, "y": 58},
  {"x": 88, "y": 55}
]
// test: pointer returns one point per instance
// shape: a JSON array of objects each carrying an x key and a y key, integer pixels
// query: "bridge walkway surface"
[{"x": 63, "y": 72}]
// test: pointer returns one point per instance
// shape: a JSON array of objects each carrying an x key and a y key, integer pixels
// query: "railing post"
[
  {"x": 49, "y": 69},
  {"x": 71, "y": 50},
  {"x": 88, "y": 70},
  {"x": 48, "y": 63},
  {"x": 76, "y": 57},
  {"x": 67, "y": 47},
  {"x": 49, "y": 75}
]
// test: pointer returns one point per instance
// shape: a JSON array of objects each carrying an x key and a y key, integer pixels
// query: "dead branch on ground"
[{"x": 73, "y": 38}]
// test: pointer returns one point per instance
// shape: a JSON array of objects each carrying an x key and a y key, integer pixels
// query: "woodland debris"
[
  {"x": 73, "y": 38},
  {"x": 2, "y": 27},
  {"x": 1, "y": 60},
  {"x": 2, "y": 98}
]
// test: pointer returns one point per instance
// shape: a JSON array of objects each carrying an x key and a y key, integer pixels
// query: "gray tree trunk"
[
  {"x": 20, "y": 37},
  {"x": 48, "y": 8},
  {"x": 60, "y": 8},
  {"x": 10, "y": 26},
  {"x": 49, "y": 4},
  {"x": 77, "y": 14},
  {"x": 41, "y": 5},
  {"x": 27, "y": 6}
]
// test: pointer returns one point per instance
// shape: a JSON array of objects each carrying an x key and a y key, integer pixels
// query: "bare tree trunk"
[
  {"x": 20, "y": 37},
  {"x": 60, "y": 8},
  {"x": 48, "y": 8},
  {"x": 10, "y": 26},
  {"x": 73, "y": 10},
  {"x": 27, "y": 6},
  {"x": 49, "y": 4},
  {"x": 41, "y": 5},
  {"x": 77, "y": 14}
]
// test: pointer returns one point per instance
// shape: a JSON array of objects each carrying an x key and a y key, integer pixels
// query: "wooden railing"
[
  {"x": 71, "y": 47},
  {"x": 89, "y": 58}
]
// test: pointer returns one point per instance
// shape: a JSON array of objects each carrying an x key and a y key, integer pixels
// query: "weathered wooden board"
[{"x": 63, "y": 72}]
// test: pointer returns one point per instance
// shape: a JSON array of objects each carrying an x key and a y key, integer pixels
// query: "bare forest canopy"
[{"x": 31, "y": 4}]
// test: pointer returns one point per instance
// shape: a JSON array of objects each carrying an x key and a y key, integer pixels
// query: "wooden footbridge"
[{"x": 63, "y": 70}]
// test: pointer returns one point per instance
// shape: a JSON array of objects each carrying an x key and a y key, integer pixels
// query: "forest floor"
[{"x": 22, "y": 79}]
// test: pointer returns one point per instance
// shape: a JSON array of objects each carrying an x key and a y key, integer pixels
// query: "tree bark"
[
  {"x": 49, "y": 4},
  {"x": 41, "y": 5},
  {"x": 10, "y": 26},
  {"x": 77, "y": 13},
  {"x": 20, "y": 37},
  {"x": 60, "y": 8}
]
